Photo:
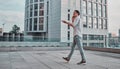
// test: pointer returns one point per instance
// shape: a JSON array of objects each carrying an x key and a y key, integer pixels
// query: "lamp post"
[{"x": 3, "y": 26}]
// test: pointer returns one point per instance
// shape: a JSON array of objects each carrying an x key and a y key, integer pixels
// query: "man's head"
[{"x": 76, "y": 13}]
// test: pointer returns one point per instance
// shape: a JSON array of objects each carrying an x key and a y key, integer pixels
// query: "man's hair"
[{"x": 77, "y": 12}]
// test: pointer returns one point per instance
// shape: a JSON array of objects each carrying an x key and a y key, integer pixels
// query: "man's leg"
[
  {"x": 71, "y": 52},
  {"x": 72, "y": 49},
  {"x": 80, "y": 47}
]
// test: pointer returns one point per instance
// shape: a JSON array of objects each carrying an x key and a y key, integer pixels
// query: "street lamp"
[{"x": 3, "y": 26}]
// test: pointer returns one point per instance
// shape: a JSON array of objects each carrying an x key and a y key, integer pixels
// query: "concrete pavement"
[{"x": 53, "y": 60}]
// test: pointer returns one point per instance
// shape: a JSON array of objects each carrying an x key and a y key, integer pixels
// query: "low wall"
[
  {"x": 32, "y": 44},
  {"x": 111, "y": 50}
]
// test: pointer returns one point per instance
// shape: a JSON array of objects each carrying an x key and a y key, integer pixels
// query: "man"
[{"x": 77, "y": 36}]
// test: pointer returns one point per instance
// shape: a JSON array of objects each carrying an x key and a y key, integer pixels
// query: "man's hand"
[
  {"x": 64, "y": 21},
  {"x": 70, "y": 24}
]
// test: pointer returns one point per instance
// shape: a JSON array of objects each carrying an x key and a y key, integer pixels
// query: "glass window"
[
  {"x": 30, "y": 24},
  {"x": 41, "y": 6},
  {"x": 36, "y": 9},
  {"x": 100, "y": 23},
  {"x": 104, "y": 11},
  {"x": 35, "y": 0},
  {"x": 35, "y": 23},
  {"x": 31, "y": 10},
  {"x": 41, "y": 20},
  {"x": 84, "y": 21},
  {"x": 48, "y": 8},
  {"x": 104, "y": 2},
  {"x": 35, "y": 6},
  {"x": 95, "y": 22},
  {"x": 100, "y": 10},
  {"x": 94, "y": 0},
  {"x": 40, "y": 27},
  {"x": 89, "y": 8},
  {"x": 105, "y": 23},
  {"x": 84, "y": 36},
  {"x": 89, "y": 22},
  {"x": 35, "y": 20},
  {"x": 95, "y": 9},
  {"x": 27, "y": 12},
  {"x": 41, "y": 13},
  {"x": 99, "y": 1},
  {"x": 30, "y": 14},
  {"x": 41, "y": 0},
  {"x": 31, "y": 7},
  {"x": 27, "y": 25},
  {"x": 35, "y": 13},
  {"x": 89, "y": 0},
  {"x": 84, "y": 7},
  {"x": 27, "y": 1},
  {"x": 31, "y": 1},
  {"x": 84, "y": 44}
]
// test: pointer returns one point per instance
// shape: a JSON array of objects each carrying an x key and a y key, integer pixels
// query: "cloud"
[
  {"x": 10, "y": 18},
  {"x": 16, "y": 5},
  {"x": 12, "y": 12},
  {"x": 114, "y": 16}
]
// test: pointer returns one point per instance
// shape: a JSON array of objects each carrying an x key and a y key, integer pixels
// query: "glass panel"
[
  {"x": 35, "y": 6},
  {"x": 95, "y": 22},
  {"x": 35, "y": 0},
  {"x": 100, "y": 10},
  {"x": 40, "y": 27},
  {"x": 89, "y": 22},
  {"x": 84, "y": 7},
  {"x": 89, "y": 8},
  {"x": 104, "y": 11},
  {"x": 41, "y": 13},
  {"x": 35, "y": 13},
  {"x": 41, "y": 6},
  {"x": 84, "y": 21},
  {"x": 31, "y": 1},
  {"x": 41, "y": 20},
  {"x": 41, "y": 0},
  {"x": 35, "y": 24},
  {"x": 94, "y": 9},
  {"x": 31, "y": 24}
]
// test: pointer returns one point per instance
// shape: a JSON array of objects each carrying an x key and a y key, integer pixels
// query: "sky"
[{"x": 12, "y": 12}]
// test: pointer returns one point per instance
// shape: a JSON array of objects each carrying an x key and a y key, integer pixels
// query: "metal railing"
[{"x": 106, "y": 42}]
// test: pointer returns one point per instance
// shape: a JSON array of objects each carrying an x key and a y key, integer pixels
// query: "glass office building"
[
  {"x": 95, "y": 22},
  {"x": 36, "y": 18},
  {"x": 43, "y": 19}
]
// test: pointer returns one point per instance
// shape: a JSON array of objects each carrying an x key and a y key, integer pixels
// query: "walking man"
[{"x": 76, "y": 25}]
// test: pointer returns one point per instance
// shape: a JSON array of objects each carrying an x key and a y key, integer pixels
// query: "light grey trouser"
[{"x": 77, "y": 41}]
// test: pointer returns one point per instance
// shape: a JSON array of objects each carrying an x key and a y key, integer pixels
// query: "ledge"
[{"x": 110, "y": 50}]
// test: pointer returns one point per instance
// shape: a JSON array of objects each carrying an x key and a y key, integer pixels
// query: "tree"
[{"x": 15, "y": 29}]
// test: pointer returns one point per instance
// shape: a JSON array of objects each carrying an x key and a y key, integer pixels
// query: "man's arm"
[{"x": 70, "y": 24}]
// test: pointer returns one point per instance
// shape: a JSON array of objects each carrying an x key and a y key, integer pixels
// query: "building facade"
[
  {"x": 36, "y": 18},
  {"x": 11, "y": 37},
  {"x": 43, "y": 20},
  {"x": 95, "y": 22}
]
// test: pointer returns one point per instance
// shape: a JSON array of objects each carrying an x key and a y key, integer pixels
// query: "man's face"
[{"x": 75, "y": 14}]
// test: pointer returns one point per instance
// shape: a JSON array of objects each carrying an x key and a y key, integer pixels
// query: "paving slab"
[{"x": 53, "y": 60}]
